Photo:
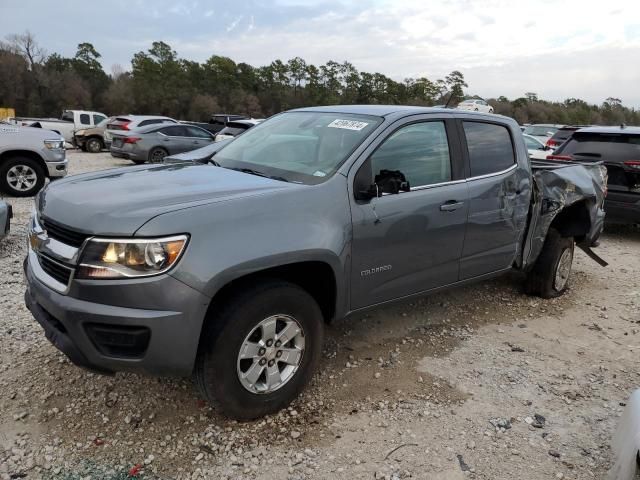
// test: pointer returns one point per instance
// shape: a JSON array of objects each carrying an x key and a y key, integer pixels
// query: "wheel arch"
[
  {"x": 574, "y": 220},
  {"x": 9, "y": 154}
]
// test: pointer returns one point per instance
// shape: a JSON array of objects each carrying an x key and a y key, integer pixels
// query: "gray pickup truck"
[
  {"x": 28, "y": 156},
  {"x": 228, "y": 268}
]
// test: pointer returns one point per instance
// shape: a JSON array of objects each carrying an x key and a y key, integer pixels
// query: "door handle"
[{"x": 450, "y": 206}]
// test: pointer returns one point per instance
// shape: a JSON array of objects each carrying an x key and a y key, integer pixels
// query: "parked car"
[
  {"x": 619, "y": 149},
  {"x": 219, "y": 120},
  {"x": 6, "y": 214},
  {"x": 132, "y": 122},
  {"x": 154, "y": 142},
  {"x": 69, "y": 122},
  {"x": 92, "y": 139},
  {"x": 475, "y": 105},
  {"x": 229, "y": 270},
  {"x": 542, "y": 131},
  {"x": 537, "y": 149},
  {"x": 28, "y": 156},
  {"x": 236, "y": 127},
  {"x": 562, "y": 134}
]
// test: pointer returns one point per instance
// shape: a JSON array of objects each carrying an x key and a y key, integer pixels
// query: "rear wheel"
[
  {"x": 94, "y": 145},
  {"x": 21, "y": 176},
  {"x": 259, "y": 350},
  {"x": 157, "y": 154},
  {"x": 550, "y": 275}
]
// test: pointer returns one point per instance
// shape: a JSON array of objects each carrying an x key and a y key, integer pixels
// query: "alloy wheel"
[
  {"x": 22, "y": 178},
  {"x": 271, "y": 354}
]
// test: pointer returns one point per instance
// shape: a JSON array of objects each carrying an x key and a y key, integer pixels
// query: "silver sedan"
[{"x": 153, "y": 143}]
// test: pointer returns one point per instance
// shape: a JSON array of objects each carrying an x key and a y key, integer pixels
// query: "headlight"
[
  {"x": 54, "y": 144},
  {"x": 104, "y": 258}
]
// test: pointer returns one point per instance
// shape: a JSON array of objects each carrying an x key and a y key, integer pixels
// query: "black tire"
[
  {"x": 157, "y": 154},
  {"x": 94, "y": 145},
  {"x": 541, "y": 280},
  {"x": 217, "y": 365},
  {"x": 21, "y": 165}
]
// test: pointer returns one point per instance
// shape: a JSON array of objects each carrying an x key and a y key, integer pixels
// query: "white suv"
[{"x": 475, "y": 105}]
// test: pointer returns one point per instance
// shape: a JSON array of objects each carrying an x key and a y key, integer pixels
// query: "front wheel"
[
  {"x": 94, "y": 145},
  {"x": 550, "y": 275},
  {"x": 21, "y": 177},
  {"x": 259, "y": 350}
]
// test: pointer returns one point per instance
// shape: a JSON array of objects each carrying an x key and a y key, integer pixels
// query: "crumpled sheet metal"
[{"x": 559, "y": 186}]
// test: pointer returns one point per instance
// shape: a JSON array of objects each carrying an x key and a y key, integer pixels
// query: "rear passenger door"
[
  {"x": 411, "y": 241},
  {"x": 495, "y": 222}
]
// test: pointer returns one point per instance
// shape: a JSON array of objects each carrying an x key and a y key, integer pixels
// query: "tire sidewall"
[
  {"x": 28, "y": 162},
  {"x": 92, "y": 142},
  {"x": 220, "y": 358}
]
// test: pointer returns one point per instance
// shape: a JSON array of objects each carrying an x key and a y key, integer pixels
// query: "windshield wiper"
[{"x": 260, "y": 174}]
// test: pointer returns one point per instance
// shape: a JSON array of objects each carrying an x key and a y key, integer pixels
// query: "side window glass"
[
  {"x": 490, "y": 147},
  {"x": 97, "y": 119},
  {"x": 197, "y": 132},
  {"x": 85, "y": 119},
  {"x": 419, "y": 152},
  {"x": 174, "y": 131}
]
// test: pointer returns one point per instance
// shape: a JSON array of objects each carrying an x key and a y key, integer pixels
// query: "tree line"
[{"x": 36, "y": 83}]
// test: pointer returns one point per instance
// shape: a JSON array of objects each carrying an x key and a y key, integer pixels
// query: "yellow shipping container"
[{"x": 6, "y": 113}]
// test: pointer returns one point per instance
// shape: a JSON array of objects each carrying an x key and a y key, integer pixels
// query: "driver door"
[{"x": 411, "y": 241}]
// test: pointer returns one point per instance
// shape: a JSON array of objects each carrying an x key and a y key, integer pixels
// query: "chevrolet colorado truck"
[{"x": 227, "y": 268}]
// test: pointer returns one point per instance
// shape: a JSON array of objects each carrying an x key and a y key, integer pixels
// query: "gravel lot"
[{"x": 481, "y": 382}]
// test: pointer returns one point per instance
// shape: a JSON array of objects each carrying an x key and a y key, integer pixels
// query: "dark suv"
[{"x": 619, "y": 149}]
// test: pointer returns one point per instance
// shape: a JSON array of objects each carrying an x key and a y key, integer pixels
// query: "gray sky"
[{"x": 588, "y": 49}]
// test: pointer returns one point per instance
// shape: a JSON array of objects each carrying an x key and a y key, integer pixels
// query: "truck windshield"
[{"x": 301, "y": 147}]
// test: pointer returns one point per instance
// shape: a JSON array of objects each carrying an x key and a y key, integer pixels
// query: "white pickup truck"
[{"x": 69, "y": 122}]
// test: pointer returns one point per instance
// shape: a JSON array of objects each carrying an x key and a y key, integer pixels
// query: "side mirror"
[
  {"x": 392, "y": 181},
  {"x": 367, "y": 194}
]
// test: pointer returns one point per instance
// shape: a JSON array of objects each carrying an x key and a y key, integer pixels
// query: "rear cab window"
[
  {"x": 85, "y": 119},
  {"x": 490, "y": 148}
]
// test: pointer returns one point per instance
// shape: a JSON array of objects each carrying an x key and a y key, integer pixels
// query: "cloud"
[
  {"x": 588, "y": 54},
  {"x": 232, "y": 26}
]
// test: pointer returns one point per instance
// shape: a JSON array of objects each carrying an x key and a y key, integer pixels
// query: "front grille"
[
  {"x": 53, "y": 269},
  {"x": 62, "y": 233}
]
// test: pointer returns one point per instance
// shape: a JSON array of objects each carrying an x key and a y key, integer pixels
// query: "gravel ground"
[{"x": 480, "y": 382}]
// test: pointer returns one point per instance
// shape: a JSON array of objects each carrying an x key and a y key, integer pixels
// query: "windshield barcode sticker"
[{"x": 348, "y": 124}]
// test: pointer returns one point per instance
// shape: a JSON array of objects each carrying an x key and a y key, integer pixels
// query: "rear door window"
[
  {"x": 174, "y": 131},
  {"x": 85, "y": 119},
  {"x": 490, "y": 147}
]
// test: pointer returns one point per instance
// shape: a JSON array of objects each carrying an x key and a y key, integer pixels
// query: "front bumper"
[
  {"x": 147, "y": 325},
  {"x": 57, "y": 169}
]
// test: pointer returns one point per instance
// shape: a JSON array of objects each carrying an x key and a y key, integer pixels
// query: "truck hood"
[{"x": 119, "y": 201}]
